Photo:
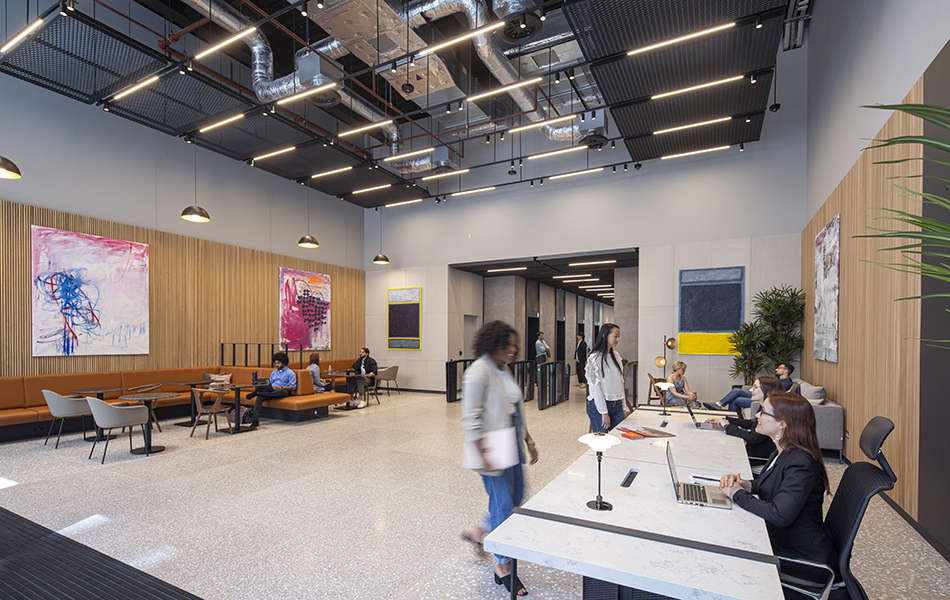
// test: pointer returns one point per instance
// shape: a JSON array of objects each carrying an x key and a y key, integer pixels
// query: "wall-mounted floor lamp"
[
  {"x": 660, "y": 361},
  {"x": 380, "y": 259},
  {"x": 8, "y": 170},
  {"x": 195, "y": 213}
]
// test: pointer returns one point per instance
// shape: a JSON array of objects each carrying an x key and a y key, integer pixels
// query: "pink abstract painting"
[
  {"x": 304, "y": 309},
  {"x": 90, "y": 294}
]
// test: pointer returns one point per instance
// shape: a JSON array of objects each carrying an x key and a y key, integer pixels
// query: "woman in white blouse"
[{"x": 605, "y": 381}]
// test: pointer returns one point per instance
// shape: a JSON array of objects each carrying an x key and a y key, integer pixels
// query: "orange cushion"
[
  {"x": 12, "y": 394},
  {"x": 66, "y": 382},
  {"x": 15, "y": 416},
  {"x": 308, "y": 402}
]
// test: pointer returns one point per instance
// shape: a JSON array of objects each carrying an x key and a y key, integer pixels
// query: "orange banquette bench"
[{"x": 23, "y": 410}]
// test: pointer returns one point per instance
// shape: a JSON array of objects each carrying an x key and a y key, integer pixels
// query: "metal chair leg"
[
  {"x": 58, "y": 435},
  {"x": 95, "y": 441},
  {"x": 144, "y": 439},
  {"x": 106, "y": 449},
  {"x": 50, "y": 431}
]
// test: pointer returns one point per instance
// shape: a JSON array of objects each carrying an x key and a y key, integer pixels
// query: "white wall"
[
  {"x": 82, "y": 160},
  {"x": 861, "y": 52},
  {"x": 465, "y": 295},
  {"x": 769, "y": 261}
]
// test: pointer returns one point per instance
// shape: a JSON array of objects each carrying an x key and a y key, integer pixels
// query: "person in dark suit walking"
[
  {"x": 580, "y": 359},
  {"x": 788, "y": 494}
]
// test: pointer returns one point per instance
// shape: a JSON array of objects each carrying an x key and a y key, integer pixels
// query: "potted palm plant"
[
  {"x": 782, "y": 310},
  {"x": 749, "y": 343}
]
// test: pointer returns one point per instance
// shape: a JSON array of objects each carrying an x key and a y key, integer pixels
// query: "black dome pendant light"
[{"x": 380, "y": 259}]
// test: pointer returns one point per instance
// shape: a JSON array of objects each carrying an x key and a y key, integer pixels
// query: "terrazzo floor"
[{"x": 362, "y": 504}]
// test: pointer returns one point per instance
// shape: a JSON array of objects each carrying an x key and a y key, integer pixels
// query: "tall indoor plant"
[
  {"x": 782, "y": 310},
  {"x": 749, "y": 343},
  {"x": 925, "y": 247}
]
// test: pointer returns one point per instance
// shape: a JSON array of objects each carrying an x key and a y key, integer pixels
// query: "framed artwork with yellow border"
[{"x": 404, "y": 318}]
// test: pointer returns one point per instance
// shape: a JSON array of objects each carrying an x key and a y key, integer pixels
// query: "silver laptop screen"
[{"x": 669, "y": 460}]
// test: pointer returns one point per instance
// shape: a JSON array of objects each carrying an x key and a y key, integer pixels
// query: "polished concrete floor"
[{"x": 363, "y": 504}]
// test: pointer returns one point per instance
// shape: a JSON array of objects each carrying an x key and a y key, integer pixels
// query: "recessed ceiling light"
[
  {"x": 596, "y": 262},
  {"x": 681, "y": 127},
  {"x": 680, "y": 39},
  {"x": 580, "y": 280},
  {"x": 695, "y": 152},
  {"x": 509, "y": 269},
  {"x": 570, "y": 276},
  {"x": 378, "y": 187},
  {"x": 697, "y": 87}
]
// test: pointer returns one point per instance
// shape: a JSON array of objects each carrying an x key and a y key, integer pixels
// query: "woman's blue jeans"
[
  {"x": 614, "y": 411},
  {"x": 739, "y": 396},
  {"x": 505, "y": 492}
]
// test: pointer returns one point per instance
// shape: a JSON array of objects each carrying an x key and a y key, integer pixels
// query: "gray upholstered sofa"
[{"x": 829, "y": 416}]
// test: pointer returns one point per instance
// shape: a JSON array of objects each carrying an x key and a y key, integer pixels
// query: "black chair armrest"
[{"x": 807, "y": 578}]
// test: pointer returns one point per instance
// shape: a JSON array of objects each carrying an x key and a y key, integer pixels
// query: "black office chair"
[{"x": 861, "y": 482}]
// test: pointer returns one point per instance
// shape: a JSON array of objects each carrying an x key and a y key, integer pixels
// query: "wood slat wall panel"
[
  {"x": 201, "y": 294},
  {"x": 878, "y": 369}
]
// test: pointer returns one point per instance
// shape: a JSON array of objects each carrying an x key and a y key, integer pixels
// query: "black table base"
[{"x": 152, "y": 450}]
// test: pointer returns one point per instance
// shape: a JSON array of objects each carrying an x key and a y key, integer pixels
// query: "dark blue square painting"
[{"x": 711, "y": 299}]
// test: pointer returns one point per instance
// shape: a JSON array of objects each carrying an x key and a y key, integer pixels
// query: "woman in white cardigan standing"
[
  {"x": 491, "y": 401},
  {"x": 605, "y": 394}
]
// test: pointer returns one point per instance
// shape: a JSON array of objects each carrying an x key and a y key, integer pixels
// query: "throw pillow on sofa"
[
  {"x": 218, "y": 381},
  {"x": 813, "y": 392}
]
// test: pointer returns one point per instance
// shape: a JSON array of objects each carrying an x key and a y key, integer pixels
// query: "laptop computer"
[
  {"x": 716, "y": 425},
  {"x": 694, "y": 493},
  {"x": 263, "y": 385}
]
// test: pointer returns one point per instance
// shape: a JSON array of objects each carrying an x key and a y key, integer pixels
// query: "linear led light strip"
[
  {"x": 571, "y": 276},
  {"x": 16, "y": 40},
  {"x": 402, "y": 203},
  {"x": 368, "y": 127},
  {"x": 542, "y": 123},
  {"x": 275, "y": 153},
  {"x": 596, "y": 262},
  {"x": 680, "y": 39},
  {"x": 378, "y": 187},
  {"x": 444, "y": 175},
  {"x": 587, "y": 172},
  {"x": 602, "y": 287},
  {"x": 466, "y": 192},
  {"x": 330, "y": 172},
  {"x": 504, "y": 89},
  {"x": 398, "y": 156},
  {"x": 565, "y": 151},
  {"x": 580, "y": 280},
  {"x": 694, "y": 152},
  {"x": 691, "y": 126},
  {"x": 136, "y": 87},
  {"x": 468, "y": 35},
  {"x": 697, "y": 87},
  {"x": 220, "y": 123},
  {"x": 233, "y": 38},
  {"x": 509, "y": 269},
  {"x": 307, "y": 93}
]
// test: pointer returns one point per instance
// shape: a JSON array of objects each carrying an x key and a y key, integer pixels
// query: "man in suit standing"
[
  {"x": 365, "y": 369},
  {"x": 580, "y": 359}
]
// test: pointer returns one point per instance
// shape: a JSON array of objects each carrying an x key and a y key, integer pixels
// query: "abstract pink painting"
[
  {"x": 90, "y": 294},
  {"x": 304, "y": 309}
]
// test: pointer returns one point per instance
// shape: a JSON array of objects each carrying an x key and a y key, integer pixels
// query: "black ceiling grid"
[
  {"x": 177, "y": 104},
  {"x": 311, "y": 158},
  {"x": 727, "y": 133},
  {"x": 701, "y": 60},
  {"x": 729, "y": 99},
  {"x": 608, "y": 28},
  {"x": 81, "y": 58},
  {"x": 255, "y": 135},
  {"x": 399, "y": 192}
]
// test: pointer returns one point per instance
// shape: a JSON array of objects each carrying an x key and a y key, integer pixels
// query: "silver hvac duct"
[
  {"x": 262, "y": 57},
  {"x": 489, "y": 50}
]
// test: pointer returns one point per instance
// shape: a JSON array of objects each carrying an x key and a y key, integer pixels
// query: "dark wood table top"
[
  {"x": 149, "y": 396},
  {"x": 190, "y": 382}
]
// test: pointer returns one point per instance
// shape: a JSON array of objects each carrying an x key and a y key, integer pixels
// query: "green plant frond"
[
  {"x": 930, "y": 197},
  {"x": 939, "y": 161},
  {"x": 933, "y": 114},
  {"x": 924, "y": 140},
  {"x": 943, "y": 179}
]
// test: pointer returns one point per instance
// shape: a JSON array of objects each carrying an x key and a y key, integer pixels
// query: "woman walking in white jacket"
[{"x": 492, "y": 401}]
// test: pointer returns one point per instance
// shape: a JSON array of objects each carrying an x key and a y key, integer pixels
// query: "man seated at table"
[
  {"x": 365, "y": 369},
  {"x": 282, "y": 380}
]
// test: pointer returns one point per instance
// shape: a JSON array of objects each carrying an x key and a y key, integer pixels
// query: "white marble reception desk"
[{"x": 648, "y": 505}]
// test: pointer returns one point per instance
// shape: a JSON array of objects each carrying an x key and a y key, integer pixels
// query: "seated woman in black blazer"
[{"x": 792, "y": 485}]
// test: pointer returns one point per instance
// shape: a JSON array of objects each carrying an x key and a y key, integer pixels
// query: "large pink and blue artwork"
[
  {"x": 304, "y": 310},
  {"x": 90, "y": 294}
]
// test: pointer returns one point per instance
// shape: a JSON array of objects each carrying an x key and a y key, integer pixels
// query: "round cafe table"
[{"x": 147, "y": 398}]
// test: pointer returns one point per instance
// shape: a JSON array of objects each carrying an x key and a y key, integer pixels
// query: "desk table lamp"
[
  {"x": 663, "y": 386},
  {"x": 598, "y": 442}
]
